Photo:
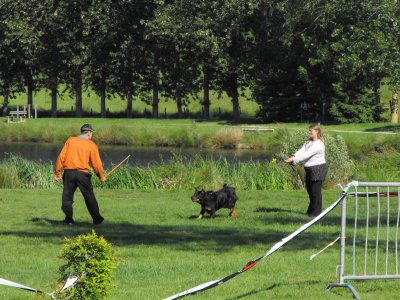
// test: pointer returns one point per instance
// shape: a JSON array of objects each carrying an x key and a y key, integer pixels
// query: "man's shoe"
[
  {"x": 69, "y": 222},
  {"x": 98, "y": 222}
]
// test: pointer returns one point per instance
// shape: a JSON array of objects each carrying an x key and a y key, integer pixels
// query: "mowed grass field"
[
  {"x": 220, "y": 104},
  {"x": 163, "y": 249}
]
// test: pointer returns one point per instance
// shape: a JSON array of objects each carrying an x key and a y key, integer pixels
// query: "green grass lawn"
[{"x": 163, "y": 249}]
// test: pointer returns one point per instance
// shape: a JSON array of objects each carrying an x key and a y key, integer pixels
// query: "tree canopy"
[{"x": 324, "y": 59}]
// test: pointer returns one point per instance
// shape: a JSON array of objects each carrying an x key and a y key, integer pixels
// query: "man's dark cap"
[{"x": 87, "y": 127}]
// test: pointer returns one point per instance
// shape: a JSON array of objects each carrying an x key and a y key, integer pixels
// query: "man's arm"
[
  {"x": 59, "y": 163},
  {"x": 97, "y": 165}
]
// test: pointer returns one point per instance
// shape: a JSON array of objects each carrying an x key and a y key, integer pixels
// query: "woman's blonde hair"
[{"x": 317, "y": 127}]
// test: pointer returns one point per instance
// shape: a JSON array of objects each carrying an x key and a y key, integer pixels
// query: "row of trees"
[{"x": 326, "y": 58}]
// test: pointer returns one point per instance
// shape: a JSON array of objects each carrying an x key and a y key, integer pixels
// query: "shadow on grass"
[
  {"x": 276, "y": 209},
  {"x": 394, "y": 128},
  {"x": 252, "y": 293},
  {"x": 273, "y": 286},
  {"x": 193, "y": 238}
]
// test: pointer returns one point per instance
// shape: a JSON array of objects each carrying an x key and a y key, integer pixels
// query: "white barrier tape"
[
  {"x": 17, "y": 285},
  {"x": 68, "y": 283},
  {"x": 277, "y": 246}
]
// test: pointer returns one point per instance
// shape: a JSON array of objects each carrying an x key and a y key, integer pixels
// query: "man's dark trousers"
[{"x": 73, "y": 179}]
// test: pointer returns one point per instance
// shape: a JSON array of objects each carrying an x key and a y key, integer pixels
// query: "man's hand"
[
  {"x": 103, "y": 179},
  {"x": 57, "y": 178}
]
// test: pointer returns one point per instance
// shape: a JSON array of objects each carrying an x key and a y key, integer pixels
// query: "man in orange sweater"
[{"x": 75, "y": 159}]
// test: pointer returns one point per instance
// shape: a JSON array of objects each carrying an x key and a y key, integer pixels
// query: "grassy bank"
[
  {"x": 360, "y": 138},
  {"x": 162, "y": 249}
]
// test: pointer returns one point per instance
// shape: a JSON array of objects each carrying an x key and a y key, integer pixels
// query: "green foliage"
[
  {"x": 286, "y": 52},
  {"x": 379, "y": 167},
  {"x": 91, "y": 258},
  {"x": 16, "y": 172},
  {"x": 355, "y": 108},
  {"x": 340, "y": 165}
]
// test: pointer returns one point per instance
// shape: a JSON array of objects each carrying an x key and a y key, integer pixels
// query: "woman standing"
[{"x": 312, "y": 153}]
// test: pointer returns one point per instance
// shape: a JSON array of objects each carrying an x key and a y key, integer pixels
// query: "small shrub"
[
  {"x": 227, "y": 139},
  {"x": 340, "y": 165},
  {"x": 92, "y": 259}
]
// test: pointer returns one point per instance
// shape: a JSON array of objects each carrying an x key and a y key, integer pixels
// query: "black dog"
[{"x": 212, "y": 201}]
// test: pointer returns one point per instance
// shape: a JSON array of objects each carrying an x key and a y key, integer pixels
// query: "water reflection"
[{"x": 141, "y": 156}]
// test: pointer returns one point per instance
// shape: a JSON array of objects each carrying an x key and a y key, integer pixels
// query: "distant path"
[
  {"x": 351, "y": 131},
  {"x": 356, "y": 131}
]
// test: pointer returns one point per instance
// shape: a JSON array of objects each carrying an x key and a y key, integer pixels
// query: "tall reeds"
[
  {"x": 180, "y": 173},
  {"x": 16, "y": 172},
  {"x": 199, "y": 172}
]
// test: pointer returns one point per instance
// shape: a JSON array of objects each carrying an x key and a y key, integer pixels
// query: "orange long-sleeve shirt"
[{"x": 79, "y": 153}]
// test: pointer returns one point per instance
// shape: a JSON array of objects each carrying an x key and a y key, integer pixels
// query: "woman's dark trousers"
[{"x": 314, "y": 190}]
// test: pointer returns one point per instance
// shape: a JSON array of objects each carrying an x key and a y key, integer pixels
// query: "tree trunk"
[
  {"x": 155, "y": 98},
  {"x": 30, "y": 87},
  {"x": 234, "y": 94},
  {"x": 5, "y": 104},
  {"x": 206, "y": 94},
  {"x": 394, "y": 107},
  {"x": 179, "y": 106},
  {"x": 103, "y": 102},
  {"x": 377, "y": 91},
  {"x": 53, "y": 89},
  {"x": 129, "y": 105},
  {"x": 235, "y": 105},
  {"x": 78, "y": 95}
]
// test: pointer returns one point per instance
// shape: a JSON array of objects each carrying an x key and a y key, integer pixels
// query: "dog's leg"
[
  {"x": 202, "y": 212},
  {"x": 233, "y": 213},
  {"x": 212, "y": 213}
]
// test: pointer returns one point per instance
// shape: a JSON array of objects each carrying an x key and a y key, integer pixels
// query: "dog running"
[{"x": 211, "y": 201}]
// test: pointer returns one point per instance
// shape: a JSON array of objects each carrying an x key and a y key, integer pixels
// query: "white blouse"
[{"x": 312, "y": 153}]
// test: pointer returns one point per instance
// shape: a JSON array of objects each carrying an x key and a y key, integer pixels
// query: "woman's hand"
[{"x": 289, "y": 160}]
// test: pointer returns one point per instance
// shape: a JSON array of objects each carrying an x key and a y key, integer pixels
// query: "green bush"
[
  {"x": 340, "y": 165},
  {"x": 92, "y": 259}
]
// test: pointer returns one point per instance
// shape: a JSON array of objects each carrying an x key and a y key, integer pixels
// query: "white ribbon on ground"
[
  {"x": 17, "y": 285},
  {"x": 68, "y": 283},
  {"x": 277, "y": 246}
]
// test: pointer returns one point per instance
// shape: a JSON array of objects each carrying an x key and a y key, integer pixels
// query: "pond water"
[{"x": 140, "y": 156}]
